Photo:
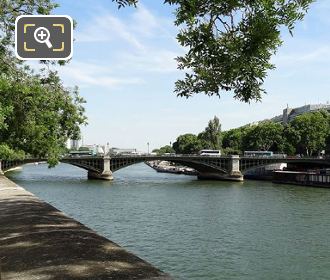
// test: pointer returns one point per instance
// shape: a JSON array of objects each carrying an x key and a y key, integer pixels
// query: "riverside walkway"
[{"x": 37, "y": 241}]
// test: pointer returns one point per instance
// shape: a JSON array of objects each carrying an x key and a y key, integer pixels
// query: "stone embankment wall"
[{"x": 37, "y": 241}]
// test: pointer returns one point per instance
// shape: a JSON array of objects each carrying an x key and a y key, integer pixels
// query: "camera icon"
[{"x": 43, "y": 37}]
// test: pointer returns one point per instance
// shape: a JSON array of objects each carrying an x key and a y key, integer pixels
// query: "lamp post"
[{"x": 148, "y": 147}]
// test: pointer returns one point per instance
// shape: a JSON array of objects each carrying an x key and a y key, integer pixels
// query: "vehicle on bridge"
[
  {"x": 210, "y": 153},
  {"x": 82, "y": 153},
  {"x": 258, "y": 153}
]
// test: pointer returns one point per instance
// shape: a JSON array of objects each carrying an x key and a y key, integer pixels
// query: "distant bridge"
[{"x": 208, "y": 167}]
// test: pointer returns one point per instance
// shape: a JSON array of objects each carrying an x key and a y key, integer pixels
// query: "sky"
[{"x": 123, "y": 63}]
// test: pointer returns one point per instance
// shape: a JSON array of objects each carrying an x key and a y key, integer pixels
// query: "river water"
[{"x": 197, "y": 229}]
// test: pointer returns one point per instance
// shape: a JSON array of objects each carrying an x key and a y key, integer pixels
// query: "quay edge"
[{"x": 38, "y": 241}]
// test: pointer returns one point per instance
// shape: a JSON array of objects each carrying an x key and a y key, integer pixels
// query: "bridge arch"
[
  {"x": 93, "y": 165},
  {"x": 198, "y": 166},
  {"x": 250, "y": 163}
]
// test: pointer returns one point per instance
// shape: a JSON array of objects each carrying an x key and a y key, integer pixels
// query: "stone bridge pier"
[
  {"x": 105, "y": 174},
  {"x": 233, "y": 171}
]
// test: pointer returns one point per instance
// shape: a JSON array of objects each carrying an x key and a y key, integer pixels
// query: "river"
[{"x": 197, "y": 229}]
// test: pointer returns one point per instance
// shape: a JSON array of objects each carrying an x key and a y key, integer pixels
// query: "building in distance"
[{"x": 289, "y": 114}]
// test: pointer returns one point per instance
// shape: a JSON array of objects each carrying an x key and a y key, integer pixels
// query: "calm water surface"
[{"x": 197, "y": 229}]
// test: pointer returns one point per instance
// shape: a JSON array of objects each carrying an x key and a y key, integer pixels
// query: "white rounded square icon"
[{"x": 43, "y": 37}]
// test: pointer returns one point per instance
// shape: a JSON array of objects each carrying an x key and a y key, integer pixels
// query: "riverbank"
[{"x": 38, "y": 241}]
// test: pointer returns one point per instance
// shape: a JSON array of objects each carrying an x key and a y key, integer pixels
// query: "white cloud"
[
  {"x": 140, "y": 37},
  {"x": 87, "y": 74},
  {"x": 144, "y": 22},
  {"x": 108, "y": 28},
  {"x": 160, "y": 61},
  {"x": 311, "y": 54}
]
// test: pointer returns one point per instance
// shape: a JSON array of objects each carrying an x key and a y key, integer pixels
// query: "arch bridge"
[{"x": 208, "y": 167}]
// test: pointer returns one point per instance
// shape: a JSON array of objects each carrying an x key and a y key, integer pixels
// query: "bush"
[{"x": 6, "y": 153}]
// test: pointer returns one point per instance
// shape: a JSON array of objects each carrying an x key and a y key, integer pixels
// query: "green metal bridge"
[{"x": 208, "y": 167}]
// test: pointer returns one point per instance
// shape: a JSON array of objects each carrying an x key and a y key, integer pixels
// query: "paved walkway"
[{"x": 37, "y": 241}]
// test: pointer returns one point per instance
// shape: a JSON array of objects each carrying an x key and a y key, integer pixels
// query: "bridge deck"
[{"x": 38, "y": 241}]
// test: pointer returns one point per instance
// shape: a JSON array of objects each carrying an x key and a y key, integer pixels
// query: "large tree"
[
  {"x": 232, "y": 140},
  {"x": 230, "y": 43},
  {"x": 264, "y": 137},
  {"x": 211, "y": 136},
  {"x": 187, "y": 144},
  {"x": 43, "y": 115},
  {"x": 311, "y": 130},
  {"x": 37, "y": 113}
]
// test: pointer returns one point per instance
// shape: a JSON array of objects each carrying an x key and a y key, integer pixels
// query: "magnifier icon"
[{"x": 41, "y": 35}]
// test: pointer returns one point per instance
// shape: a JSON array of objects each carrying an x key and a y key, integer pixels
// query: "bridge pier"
[
  {"x": 234, "y": 173},
  {"x": 106, "y": 174}
]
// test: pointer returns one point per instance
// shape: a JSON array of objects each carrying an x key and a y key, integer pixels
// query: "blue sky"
[{"x": 123, "y": 63}]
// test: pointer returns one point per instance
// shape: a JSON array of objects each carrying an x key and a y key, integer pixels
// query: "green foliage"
[
  {"x": 233, "y": 139},
  {"x": 204, "y": 140},
  {"x": 11, "y": 9},
  {"x": 9, "y": 154},
  {"x": 4, "y": 111},
  {"x": 211, "y": 136},
  {"x": 290, "y": 139},
  {"x": 187, "y": 144},
  {"x": 43, "y": 116},
  {"x": 37, "y": 113},
  {"x": 327, "y": 146},
  {"x": 311, "y": 131},
  {"x": 307, "y": 134},
  {"x": 264, "y": 137},
  {"x": 231, "y": 151},
  {"x": 123, "y": 3},
  {"x": 164, "y": 150}
]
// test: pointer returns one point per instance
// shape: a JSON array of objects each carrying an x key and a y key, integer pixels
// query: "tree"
[
  {"x": 187, "y": 144},
  {"x": 312, "y": 130},
  {"x": 203, "y": 138},
  {"x": 7, "y": 153},
  {"x": 212, "y": 134},
  {"x": 230, "y": 43},
  {"x": 290, "y": 139},
  {"x": 164, "y": 150},
  {"x": 10, "y": 10},
  {"x": 43, "y": 114},
  {"x": 233, "y": 139},
  {"x": 327, "y": 146},
  {"x": 264, "y": 136},
  {"x": 37, "y": 113}
]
